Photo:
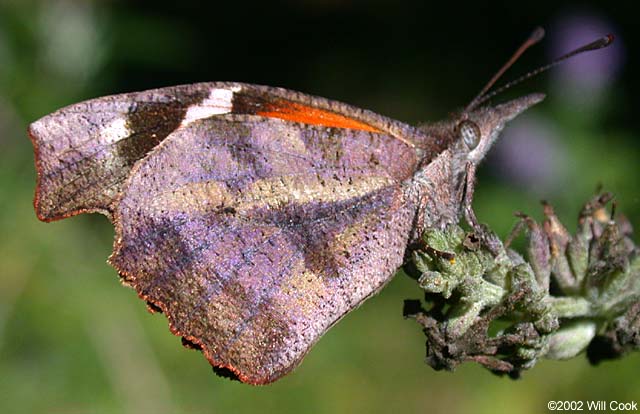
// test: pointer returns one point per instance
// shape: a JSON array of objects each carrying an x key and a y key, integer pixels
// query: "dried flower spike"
[{"x": 569, "y": 293}]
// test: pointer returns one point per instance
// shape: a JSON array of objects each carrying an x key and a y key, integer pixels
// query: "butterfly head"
[
  {"x": 452, "y": 149},
  {"x": 468, "y": 136},
  {"x": 472, "y": 134}
]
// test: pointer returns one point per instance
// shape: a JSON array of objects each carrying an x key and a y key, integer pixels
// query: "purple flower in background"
[
  {"x": 584, "y": 78},
  {"x": 530, "y": 156}
]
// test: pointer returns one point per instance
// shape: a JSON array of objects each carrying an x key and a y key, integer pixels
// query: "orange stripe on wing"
[{"x": 292, "y": 111}]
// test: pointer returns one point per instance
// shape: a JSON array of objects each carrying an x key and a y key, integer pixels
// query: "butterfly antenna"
[
  {"x": 534, "y": 37},
  {"x": 484, "y": 96}
]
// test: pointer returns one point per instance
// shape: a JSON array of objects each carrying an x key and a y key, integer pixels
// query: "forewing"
[
  {"x": 85, "y": 152},
  {"x": 254, "y": 235}
]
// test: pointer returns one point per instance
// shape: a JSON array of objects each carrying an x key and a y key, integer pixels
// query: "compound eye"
[{"x": 469, "y": 133}]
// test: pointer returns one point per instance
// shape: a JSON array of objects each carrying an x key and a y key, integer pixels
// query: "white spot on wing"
[
  {"x": 220, "y": 101},
  {"x": 115, "y": 130}
]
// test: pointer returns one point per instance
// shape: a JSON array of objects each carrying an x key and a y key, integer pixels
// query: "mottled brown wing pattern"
[
  {"x": 255, "y": 235},
  {"x": 85, "y": 152}
]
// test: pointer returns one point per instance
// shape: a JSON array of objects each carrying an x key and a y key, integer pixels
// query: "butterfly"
[{"x": 256, "y": 217}]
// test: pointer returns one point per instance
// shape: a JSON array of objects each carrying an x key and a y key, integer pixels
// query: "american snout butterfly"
[{"x": 255, "y": 217}]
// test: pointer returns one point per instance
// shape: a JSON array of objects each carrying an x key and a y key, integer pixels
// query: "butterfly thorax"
[{"x": 437, "y": 189}]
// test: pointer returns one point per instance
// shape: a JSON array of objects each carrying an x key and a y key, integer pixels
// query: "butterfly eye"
[{"x": 469, "y": 132}]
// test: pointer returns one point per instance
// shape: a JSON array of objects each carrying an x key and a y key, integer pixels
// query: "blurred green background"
[{"x": 73, "y": 340}]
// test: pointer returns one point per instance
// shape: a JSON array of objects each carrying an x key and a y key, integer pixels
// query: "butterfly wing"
[
  {"x": 85, "y": 152},
  {"x": 254, "y": 226}
]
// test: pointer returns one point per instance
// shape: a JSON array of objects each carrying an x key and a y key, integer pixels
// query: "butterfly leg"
[
  {"x": 487, "y": 237},
  {"x": 420, "y": 225}
]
